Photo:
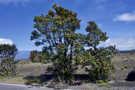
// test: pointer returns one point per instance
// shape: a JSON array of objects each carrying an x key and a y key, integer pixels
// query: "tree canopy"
[{"x": 7, "y": 51}]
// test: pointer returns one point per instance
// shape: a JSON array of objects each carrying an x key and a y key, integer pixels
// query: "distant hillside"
[
  {"x": 127, "y": 51},
  {"x": 22, "y": 55}
]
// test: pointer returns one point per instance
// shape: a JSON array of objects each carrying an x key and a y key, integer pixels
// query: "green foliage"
[
  {"x": 7, "y": 67},
  {"x": 102, "y": 83},
  {"x": 63, "y": 69},
  {"x": 94, "y": 36},
  {"x": 101, "y": 67},
  {"x": 7, "y": 55},
  {"x": 7, "y": 51},
  {"x": 30, "y": 82},
  {"x": 85, "y": 58},
  {"x": 2, "y": 77}
]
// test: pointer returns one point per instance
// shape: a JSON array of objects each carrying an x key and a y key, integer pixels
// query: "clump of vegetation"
[
  {"x": 57, "y": 33},
  {"x": 102, "y": 83},
  {"x": 7, "y": 64},
  {"x": 30, "y": 82},
  {"x": 101, "y": 67},
  {"x": 100, "y": 57},
  {"x": 23, "y": 62},
  {"x": 38, "y": 57},
  {"x": 123, "y": 67}
]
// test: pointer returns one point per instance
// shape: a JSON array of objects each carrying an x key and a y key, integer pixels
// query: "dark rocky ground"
[{"x": 125, "y": 70}]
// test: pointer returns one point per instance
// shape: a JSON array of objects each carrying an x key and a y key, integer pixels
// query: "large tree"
[{"x": 56, "y": 32}]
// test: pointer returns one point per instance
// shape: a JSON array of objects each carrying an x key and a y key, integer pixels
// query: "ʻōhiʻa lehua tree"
[{"x": 56, "y": 31}]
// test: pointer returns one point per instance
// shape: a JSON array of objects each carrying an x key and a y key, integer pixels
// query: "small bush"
[
  {"x": 38, "y": 57},
  {"x": 7, "y": 67},
  {"x": 32, "y": 81},
  {"x": 7, "y": 64}
]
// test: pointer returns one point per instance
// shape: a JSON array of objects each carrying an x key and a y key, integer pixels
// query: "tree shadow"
[
  {"x": 49, "y": 79},
  {"x": 42, "y": 79},
  {"x": 131, "y": 76}
]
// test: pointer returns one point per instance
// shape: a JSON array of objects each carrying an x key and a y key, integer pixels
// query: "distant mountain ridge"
[
  {"x": 22, "y": 55},
  {"x": 126, "y": 51}
]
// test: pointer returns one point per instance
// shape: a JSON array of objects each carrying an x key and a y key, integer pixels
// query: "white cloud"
[
  {"x": 121, "y": 43},
  {"x": 13, "y": 1},
  {"x": 6, "y": 41},
  {"x": 128, "y": 17}
]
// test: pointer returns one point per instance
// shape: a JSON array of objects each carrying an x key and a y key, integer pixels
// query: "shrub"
[
  {"x": 34, "y": 56},
  {"x": 102, "y": 66},
  {"x": 7, "y": 55},
  {"x": 39, "y": 57},
  {"x": 7, "y": 67}
]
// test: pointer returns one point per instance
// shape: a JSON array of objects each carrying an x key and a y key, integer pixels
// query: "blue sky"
[{"x": 116, "y": 17}]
